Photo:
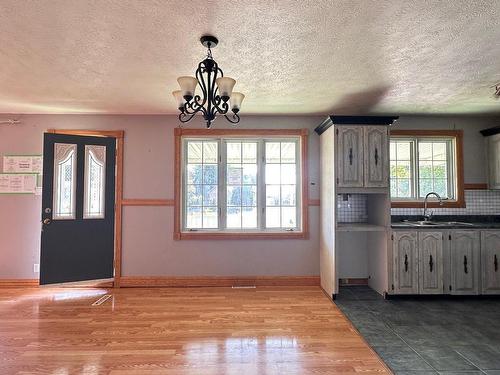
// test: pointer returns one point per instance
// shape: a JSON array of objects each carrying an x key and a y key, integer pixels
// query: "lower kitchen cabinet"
[
  {"x": 405, "y": 263},
  {"x": 490, "y": 259},
  {"x": 417, "y": 262},
  {"x": 464, "y": 253},
  {"x": 461, "y": 262},
  {"x": 430, "y": 262}
]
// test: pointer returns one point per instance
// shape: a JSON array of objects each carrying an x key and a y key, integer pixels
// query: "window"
[
  {"x": 240, "y": 184},
  {"x": 281, "y": 184},
  {"x": 421, "y": 163},
  {"x": 95, "y": 172},
  {"x": 201, "y": 184},
  {"x": 64, "y": 181}
]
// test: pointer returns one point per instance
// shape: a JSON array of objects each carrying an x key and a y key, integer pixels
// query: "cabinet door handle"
[
  {"x": 466, "y": 270},
  {"x": 431, "y": 263},
  {"x": 350, "y": 156},
  {"x": 406, "y": 262},
  {"x": 376, "y": 156},
  {"x": 495, "y": 263}
]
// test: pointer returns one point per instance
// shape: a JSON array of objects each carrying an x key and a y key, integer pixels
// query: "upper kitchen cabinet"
[
  {"x": 376, "y": 155},
  {"x": 350, "y": 156},
  {"x": 493, "y": 156},
  {"x": 362, "y": 156},
  {"x": 361, "y": 150}
]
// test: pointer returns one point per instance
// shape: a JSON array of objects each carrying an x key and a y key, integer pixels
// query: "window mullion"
[
  {"x": 261, "y": 185},
  {"x": 298, "y": 185},
  {"x": 416, "y": 173},
  {"x": 222, "y": 189}
]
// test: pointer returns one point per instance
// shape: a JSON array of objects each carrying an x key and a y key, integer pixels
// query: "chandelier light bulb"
[
  {"x": 188, "y": 86},
  {"x": 225, "y": 85},
  {"x": 236, "y": 100},
  {"x": 179, "y": 98}
]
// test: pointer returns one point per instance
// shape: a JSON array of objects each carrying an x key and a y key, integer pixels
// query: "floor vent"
[
  {"x": 101, "y": 300},
  {"x": 243, "y": 287}
]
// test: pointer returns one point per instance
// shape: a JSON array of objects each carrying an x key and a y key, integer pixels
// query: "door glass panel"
[
  {"x": 64, "y": 181},
  {"x": 95, "y": 174}
]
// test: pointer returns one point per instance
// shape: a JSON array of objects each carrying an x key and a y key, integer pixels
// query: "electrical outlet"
[{"x": 36, "y": 267}]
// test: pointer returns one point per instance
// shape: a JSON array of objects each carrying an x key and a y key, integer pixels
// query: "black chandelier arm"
[
  {"x": 222, "y": 107},
  {"x": 183, "y": 117},
  {"x": 202, "y": 83},
  {"x": 234, "y": 119},
  {"x": 193, "y": 106},
  {"x": 212, "y": 88}
]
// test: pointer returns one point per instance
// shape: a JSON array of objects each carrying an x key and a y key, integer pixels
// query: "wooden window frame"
[
  {"x": 179, "y": 133},
  {"x": 459, "y": 202}
]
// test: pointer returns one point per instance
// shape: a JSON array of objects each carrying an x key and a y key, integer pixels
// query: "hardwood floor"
[{"x": 273, "y": 330}]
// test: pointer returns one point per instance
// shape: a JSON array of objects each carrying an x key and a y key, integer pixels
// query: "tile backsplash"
[
  {"x": 352, "y": 210},
  {"x": 478, "y": 202}
]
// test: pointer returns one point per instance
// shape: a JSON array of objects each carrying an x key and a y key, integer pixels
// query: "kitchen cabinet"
[
  {"x": 362, "y": 156},
  {"x": 350, "y": 156},
  {"x": 353, "y": 154},
  {"x": 464, "y": 253},
  {"x": 417, "y": 262},
  {"x": 430, "y": 266},
  {"x": 376, "y": 156},
  {"x": 490, "y": 259},
  {"x": 405, "y": 263}
]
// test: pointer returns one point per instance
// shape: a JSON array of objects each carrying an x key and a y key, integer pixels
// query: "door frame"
[{"x": 119, "y": 135}]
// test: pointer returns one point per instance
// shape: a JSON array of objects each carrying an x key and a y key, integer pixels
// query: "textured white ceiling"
[{"x": 297, "y": 57}]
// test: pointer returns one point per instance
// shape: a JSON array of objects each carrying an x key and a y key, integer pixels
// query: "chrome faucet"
[{"x": 428, "y": 217}]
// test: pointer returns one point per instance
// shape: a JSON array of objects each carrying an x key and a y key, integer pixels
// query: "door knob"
[{"x": 46, "y": 221}]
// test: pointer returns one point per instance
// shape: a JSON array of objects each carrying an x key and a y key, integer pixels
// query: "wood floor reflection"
[{"x": 275, "y": 330}]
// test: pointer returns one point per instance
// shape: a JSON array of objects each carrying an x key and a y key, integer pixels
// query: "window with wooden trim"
[
  {"x": 425, "y": 161},
  {"x": 241, "y": 184}
]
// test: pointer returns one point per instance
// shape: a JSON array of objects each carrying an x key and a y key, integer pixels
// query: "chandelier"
[{"x": 217, "y": 95}]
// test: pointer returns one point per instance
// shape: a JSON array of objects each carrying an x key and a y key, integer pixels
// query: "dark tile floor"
[{"x": 427, "y": 336}]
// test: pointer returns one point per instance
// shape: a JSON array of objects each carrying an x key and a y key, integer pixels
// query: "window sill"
[
  {"x": 420, "y": 204},
  {"x": 240, "y": 235}
]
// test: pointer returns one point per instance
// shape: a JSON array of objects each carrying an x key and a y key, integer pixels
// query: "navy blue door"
[{"x": 78, "y": 208}]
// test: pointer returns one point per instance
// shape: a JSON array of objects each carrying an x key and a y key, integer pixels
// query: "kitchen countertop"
[{"x": 476, "y": 221}]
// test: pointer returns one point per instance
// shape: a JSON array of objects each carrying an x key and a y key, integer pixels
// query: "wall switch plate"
[{"x": 36, "y": 267}]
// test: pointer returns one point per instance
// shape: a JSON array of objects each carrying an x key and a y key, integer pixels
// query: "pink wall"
[{"x": 148, "y": 247}]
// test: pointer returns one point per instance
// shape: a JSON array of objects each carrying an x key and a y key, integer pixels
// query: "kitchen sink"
[
  {"x": 428, "y": 223},
  {"x": 460, "y": 223}
]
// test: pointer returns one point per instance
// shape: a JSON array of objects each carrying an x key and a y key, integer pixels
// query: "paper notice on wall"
[
  {"x": 22, "y": 164},
  {"x": 17, "y": 183}
]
